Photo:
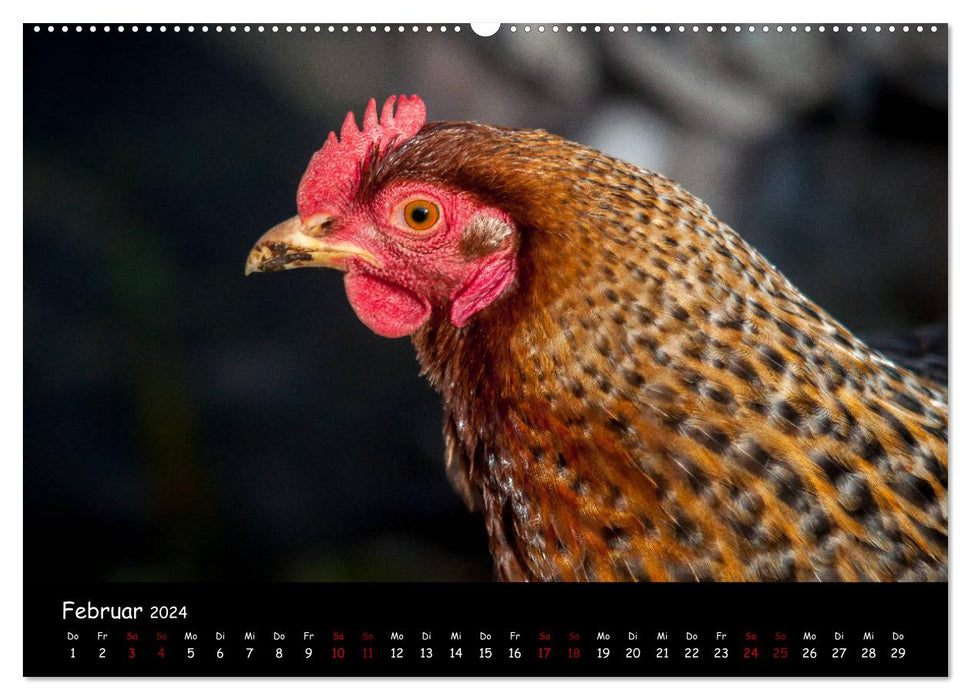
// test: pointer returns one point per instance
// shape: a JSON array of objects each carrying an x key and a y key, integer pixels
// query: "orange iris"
[{"x": 421, "y": 215}]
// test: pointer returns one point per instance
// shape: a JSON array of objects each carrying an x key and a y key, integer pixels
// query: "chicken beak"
[{"x": 294, "y": 244}]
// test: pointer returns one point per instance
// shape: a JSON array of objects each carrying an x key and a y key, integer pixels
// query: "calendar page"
[{"x": 486, "y": 350}]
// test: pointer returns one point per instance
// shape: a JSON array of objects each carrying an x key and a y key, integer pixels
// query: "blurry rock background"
[{"x": 182, "y": 422}]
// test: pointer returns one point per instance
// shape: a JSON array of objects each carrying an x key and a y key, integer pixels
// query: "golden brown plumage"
[{"x": 650, "y": 399}]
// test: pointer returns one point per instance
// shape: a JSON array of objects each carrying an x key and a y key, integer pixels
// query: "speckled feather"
[{"x": 653, "y": 400}]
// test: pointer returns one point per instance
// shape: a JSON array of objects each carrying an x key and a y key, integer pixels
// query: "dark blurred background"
[{"x": 183, "y": 422}]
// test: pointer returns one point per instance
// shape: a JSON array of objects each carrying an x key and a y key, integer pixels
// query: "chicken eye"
[{"x": 420, "y": 214}]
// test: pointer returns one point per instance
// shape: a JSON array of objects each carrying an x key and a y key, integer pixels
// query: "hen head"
[{"x": 405, "y": 246}]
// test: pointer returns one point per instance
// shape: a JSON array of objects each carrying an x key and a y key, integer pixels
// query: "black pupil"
[{"x": 420, "y": 215}]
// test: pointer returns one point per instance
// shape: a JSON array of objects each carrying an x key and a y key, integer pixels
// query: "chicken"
[{"x": 631, "y": 392}]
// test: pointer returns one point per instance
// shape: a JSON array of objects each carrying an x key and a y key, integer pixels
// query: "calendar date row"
[{"x": 161, "y": 650}]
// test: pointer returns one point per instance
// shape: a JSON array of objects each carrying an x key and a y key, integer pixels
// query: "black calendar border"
[{"x": 917, "y": 610}]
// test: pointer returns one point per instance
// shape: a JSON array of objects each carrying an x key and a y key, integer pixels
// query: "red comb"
[{"x": 333, "y": 175}]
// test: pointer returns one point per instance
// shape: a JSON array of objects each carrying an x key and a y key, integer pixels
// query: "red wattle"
[{"x": 386, "y": 308}]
